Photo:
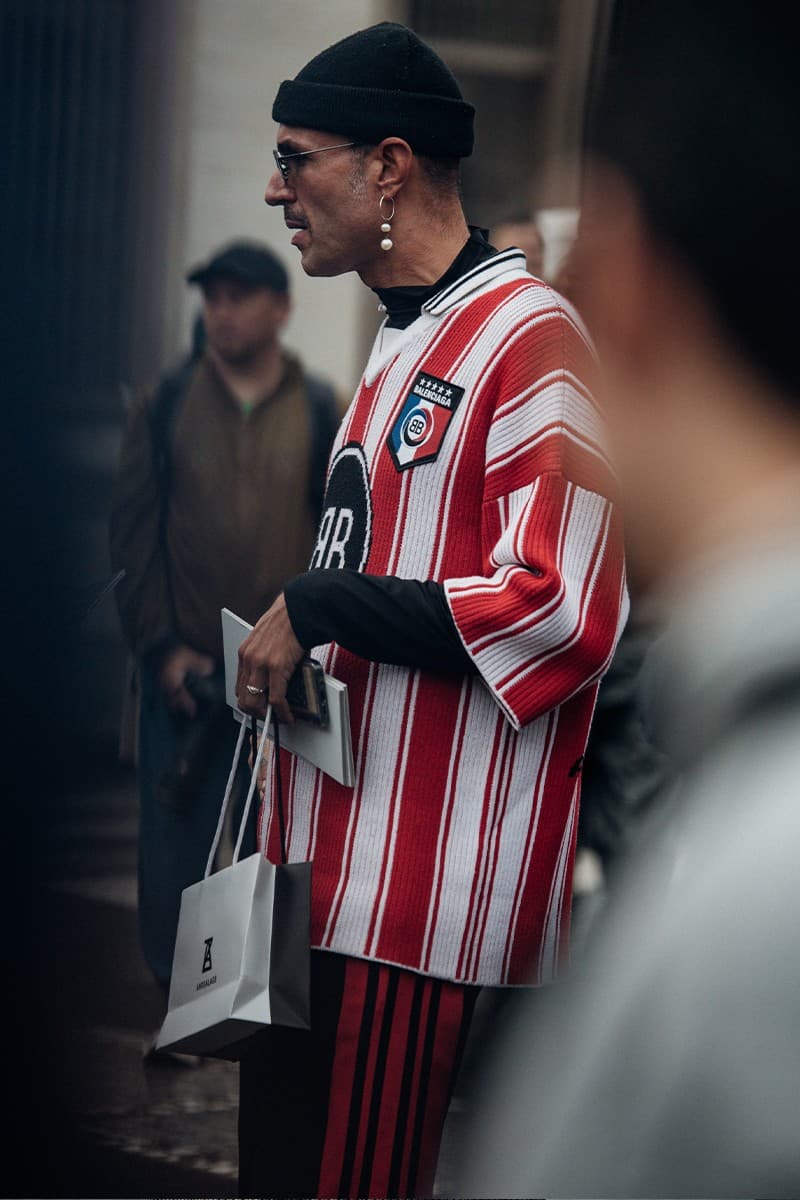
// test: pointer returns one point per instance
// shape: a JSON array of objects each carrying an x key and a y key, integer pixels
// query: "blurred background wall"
[{"x": 139, "y": 138}]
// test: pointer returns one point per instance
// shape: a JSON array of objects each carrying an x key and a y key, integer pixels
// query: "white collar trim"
[
  {"x": 389, "y": 342},
  {"x": 489, "y": 271}
]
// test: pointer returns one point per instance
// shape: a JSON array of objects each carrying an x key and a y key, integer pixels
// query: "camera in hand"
[
  {"x": 198, "y": 739},
  {"x": 306, "y": 695}
]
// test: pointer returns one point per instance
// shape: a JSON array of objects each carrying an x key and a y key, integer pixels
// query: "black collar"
[{"x": 404, "y": 304}]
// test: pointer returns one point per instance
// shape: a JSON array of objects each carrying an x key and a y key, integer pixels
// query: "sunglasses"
[{"x": 284, "y": 166}]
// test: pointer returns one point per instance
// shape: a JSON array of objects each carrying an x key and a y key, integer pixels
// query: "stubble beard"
[{"x": 347, "y": 258}]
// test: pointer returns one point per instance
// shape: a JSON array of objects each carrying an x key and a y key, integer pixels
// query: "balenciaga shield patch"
[{"x": 417, "y": 434}]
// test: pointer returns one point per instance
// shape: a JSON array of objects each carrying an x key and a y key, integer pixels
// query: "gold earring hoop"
[{"x": 386, "y": 228}]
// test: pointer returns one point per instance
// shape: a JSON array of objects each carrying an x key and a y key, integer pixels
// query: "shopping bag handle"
[
  {"x": 229, "y": 788},
  {"x": 276, "y": 738},
  {"x": 276, "y": 741}
]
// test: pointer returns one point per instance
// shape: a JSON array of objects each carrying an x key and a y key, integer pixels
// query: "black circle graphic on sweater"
[{"x": 345, "y": 529}]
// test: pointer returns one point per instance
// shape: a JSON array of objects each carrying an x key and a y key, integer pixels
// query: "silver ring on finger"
[{"x": 254, "y": 691}]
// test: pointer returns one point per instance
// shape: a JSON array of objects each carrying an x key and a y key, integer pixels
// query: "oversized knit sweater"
[{"x": 471, "y": 456}]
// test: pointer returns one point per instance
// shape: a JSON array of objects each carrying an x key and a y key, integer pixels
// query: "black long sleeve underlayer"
[{"x": 406, "y": 622}]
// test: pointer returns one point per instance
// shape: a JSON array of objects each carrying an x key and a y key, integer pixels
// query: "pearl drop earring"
[{"x": 386, "y": 228}]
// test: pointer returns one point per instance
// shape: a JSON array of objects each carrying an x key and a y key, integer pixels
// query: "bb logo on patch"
[{"x": 417, "y": 434}]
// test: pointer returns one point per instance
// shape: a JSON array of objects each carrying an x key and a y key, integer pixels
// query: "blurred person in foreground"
[
  {"x": 623, "y": 771},
  {"x": 669, "y": 1064},
  {"x": 468, "y": 587},
  {"x": 217, "y": 496},
  {"x": 521, "y": 231}
]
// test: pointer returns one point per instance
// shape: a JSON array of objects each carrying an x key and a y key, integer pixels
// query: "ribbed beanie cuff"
[{"x": 381, "y": 82}]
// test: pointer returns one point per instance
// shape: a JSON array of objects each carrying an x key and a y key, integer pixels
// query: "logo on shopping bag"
[{"x": 207, "y": 966}]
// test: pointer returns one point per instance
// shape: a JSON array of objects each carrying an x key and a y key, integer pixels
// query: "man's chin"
[
  {"x": 312, "y": 265},
  {"x": 318, "y": 272},
  {"x": 319, "y": 269},
  {"x": 234, "y": 356}
]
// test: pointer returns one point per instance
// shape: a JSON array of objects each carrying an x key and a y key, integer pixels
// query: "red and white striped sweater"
[{"x": 471, "y": 455}]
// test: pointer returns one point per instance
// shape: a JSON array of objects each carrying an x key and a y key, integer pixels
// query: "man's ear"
[{"x": 393, "y": 162}]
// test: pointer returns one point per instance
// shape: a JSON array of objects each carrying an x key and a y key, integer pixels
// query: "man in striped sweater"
[{"x": 468, "y": 586}]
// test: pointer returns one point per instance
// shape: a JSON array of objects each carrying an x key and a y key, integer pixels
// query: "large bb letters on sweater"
[{"x": 345, "y": 529}]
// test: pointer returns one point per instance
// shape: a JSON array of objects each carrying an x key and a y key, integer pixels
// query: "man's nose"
[{"x": 278, "y": 190}]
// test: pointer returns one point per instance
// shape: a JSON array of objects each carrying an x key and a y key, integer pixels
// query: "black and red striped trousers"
[{"x": 355, "y": 1106}]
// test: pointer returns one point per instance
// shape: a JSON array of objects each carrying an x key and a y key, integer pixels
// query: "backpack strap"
[
  {"x": 324, "y": 420},
  {"x": 162, "y": 413}
]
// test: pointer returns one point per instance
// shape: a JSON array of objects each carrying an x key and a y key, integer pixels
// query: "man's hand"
[
  {"x": 267, "y": 659},
  {"x": 172, "y": 677}
]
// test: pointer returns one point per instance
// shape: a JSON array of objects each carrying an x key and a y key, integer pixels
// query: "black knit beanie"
[{"x": 381, "y": 82}]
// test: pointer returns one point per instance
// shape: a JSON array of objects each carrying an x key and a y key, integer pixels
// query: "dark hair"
[
  {"x": 443, "y": 174},
  {"x": 699, "y": 111}
]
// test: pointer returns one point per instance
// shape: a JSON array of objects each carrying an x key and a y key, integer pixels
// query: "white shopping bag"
[{"x": 241, "y": 957}]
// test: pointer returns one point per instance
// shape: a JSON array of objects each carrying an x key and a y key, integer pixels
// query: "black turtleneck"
[
  {"x": 404, "y": 304},
  {"x": 380, "y": 617}
]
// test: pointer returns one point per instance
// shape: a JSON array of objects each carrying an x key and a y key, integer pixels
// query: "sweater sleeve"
[
  {"x": 379, "y": 617},
  {"x": 143, "y": 595},
  {"x": 541, "y": 620}
]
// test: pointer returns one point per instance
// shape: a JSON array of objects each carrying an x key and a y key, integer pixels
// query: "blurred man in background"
[
  {"x": 623, "y": 771},
  {"x": 670, "y": 1065},
  {"x": 218, "y": 494}
]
